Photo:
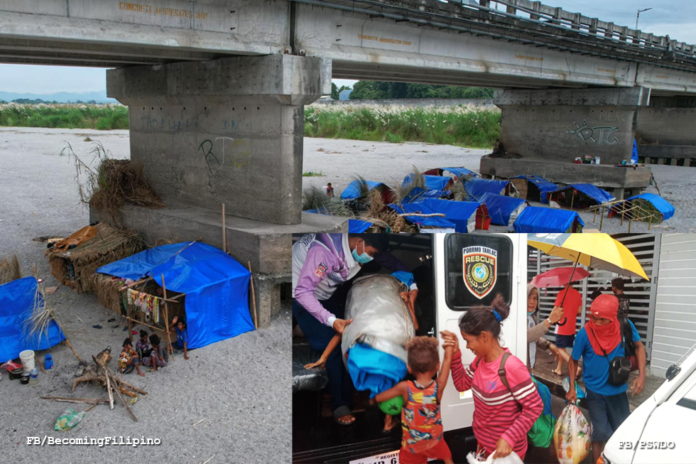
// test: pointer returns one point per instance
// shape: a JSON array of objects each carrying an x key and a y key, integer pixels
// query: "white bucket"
[{"x": 27, "y": 357}]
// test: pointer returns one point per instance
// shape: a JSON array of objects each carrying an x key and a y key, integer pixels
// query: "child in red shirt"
[
  {"x": 503, "y": 414},
  {"x": 420, "y": 416}
]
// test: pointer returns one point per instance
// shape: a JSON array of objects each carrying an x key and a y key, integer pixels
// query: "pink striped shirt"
[{"x": 497, "y": 412}]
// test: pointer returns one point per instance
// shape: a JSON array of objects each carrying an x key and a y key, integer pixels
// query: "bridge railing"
[{"x": 530, "y": 22}]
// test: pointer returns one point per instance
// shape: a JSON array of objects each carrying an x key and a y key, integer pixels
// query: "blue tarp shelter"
[
  {"x": 594, "y": 195},
  {"x": 543, "y": 187},
  {"x": 461, "y": 213},
  {"x": 352, "y": 191},
  {"x": 537, "y": 219},
  {"x": 16, "y": 307},
  {"x": 503, "y": 210},
  {"x": 374, "y": 370},
  {"x": 357, "y": 226},
  {"x": 460, "y": 172},
  {"x": 418, "y": 194},
  {"x": 664, "y": 207},
  {"x": 431, "y": 182},
  {"x": 420, "y": 208},
  {"x": 477, "y": 188},
  {"x": 215, "y": 284}
]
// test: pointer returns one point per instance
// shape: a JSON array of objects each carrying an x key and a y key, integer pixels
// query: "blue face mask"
[{"x": 364, "y": 258}]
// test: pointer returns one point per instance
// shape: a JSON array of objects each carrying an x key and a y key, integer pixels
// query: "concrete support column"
[
  {"x": 546, "y": 130},
  {"x": 667, "y": 129},
  {"x": 225, "y": 131}
]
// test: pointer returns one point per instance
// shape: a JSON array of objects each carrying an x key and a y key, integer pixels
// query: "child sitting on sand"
[
  {"x": 158, "y": 356},
  {"x": 420, "y": 416},
  {"x": 128, "y": 359},
  {"x": 142, "y": 346},
  {"x": 181, "y": 335},
  {"x": 506, "y": 402}
]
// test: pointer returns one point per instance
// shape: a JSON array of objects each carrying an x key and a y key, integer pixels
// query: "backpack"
[
  {"x": 541, "y": 433},
  {"x": 629, "y": 346}
]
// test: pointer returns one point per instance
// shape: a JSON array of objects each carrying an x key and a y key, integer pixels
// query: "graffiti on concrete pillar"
[
  {"x": 240, "y": 154},
  {"x": 599, "y": 135},
  {"x": 207, "y": 148}
]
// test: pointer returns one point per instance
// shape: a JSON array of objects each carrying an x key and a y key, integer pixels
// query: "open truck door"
[{"x": 470, "y": 270}]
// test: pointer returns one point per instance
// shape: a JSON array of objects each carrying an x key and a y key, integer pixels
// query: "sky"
[{"x": 674, "y": 17}]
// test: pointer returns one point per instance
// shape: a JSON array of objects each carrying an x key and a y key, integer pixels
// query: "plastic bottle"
[
  {"x": 48, "y": 362},
  {"x": 33, "y": 377}
]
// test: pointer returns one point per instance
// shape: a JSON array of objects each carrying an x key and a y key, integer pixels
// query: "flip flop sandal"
[
  {"x": 343, "y": 411},
  {"x": 556, "y": 372}
]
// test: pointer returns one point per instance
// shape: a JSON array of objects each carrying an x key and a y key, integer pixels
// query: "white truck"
[{"x": 456, "y": 272}]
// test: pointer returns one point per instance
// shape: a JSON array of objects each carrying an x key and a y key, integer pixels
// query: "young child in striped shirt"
[
  {"x": 503, "y": 414},
  {"x": 420, "y": 417}
]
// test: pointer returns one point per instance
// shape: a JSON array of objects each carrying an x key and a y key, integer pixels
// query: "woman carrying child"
[{"x": 506, "y": 402}]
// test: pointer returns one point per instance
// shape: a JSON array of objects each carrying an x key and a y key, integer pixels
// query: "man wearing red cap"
[{"x": 607, "y": 403}]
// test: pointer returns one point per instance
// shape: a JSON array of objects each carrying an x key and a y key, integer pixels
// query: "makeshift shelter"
[
  {"x": 421, "y": 215},
  {"x": 432, "y": 182},
  {"x": 533, "y": 188},
  {"x": 17, "y": 303},
  {"x": 467, "y": 216},
  {"x": 477, "y": 188},
  {"x": 646, "y": 207},
  {"x": 580, "y": 196},
  {"x": 353, "y": 190},
  {"x": 458, "y": 172},
  {"x": 357, "y": 226},
  {"x": 418, "y": 194},
  {"x": 538, "y": 219},
  {"x": 215, "y": 285},
  {"x": 503, "y": 210},
  {"x": 94, "y": 246}
]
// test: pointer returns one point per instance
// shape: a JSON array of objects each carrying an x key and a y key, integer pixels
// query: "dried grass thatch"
[
  {"x": 107, "y": 290},
  {"x": 314, "y": 198},
  {"x": 385, "y": 217},
  {"x": 9, "y": 269},
  {"x": 113, "y": 184},
  {"x": 75, "y": 267},
  {"x": 417, "y": 180}
]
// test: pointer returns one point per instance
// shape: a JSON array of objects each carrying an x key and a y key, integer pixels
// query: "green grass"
[
  {"x": 313, "y": 174},
  {"x": 71, "y": 116},
  {"x": 462, "y": 126}
]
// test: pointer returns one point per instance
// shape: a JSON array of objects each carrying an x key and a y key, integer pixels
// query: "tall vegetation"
[
  {"x": 72, "y": 116},
  {"x": 372, "y": 90}
]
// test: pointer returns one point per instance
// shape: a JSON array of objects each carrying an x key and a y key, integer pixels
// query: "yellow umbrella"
[
  {"x": 599, "y": 251},
  {"x": 592, "y": 250}
]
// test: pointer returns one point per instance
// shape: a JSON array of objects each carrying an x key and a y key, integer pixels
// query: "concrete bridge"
[{"x": 216, "y": 91}]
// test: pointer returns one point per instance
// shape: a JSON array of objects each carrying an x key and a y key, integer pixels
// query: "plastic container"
[
  {"x": 27, "y": 357},
  {"x": 25, "y": 378},
  {"x": 34, "y": 377},
  {"x": 48, "y": 362}
]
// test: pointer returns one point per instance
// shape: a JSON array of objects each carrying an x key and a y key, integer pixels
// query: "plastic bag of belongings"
[{"x": 572, "y": 436}]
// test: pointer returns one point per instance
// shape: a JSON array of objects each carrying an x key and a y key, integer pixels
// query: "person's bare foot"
[
  {"x": 347, "y": 419},
  {"x": 141, "y": 374},
  {"x": 557, "y": 372}
]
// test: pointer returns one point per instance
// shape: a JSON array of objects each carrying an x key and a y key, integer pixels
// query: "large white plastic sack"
[
  {"x": 572, "y": 436},
  {"x": 512, "y": 458}
]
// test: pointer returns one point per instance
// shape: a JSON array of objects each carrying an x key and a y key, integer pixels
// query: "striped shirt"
[{"x": 497, "y": 412}]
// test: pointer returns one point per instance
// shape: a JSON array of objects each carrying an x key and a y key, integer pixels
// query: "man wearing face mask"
[{"x": 320, "y": 264}]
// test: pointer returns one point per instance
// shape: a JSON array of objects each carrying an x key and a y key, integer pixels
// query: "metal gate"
[{"x": 645, "y": 247}]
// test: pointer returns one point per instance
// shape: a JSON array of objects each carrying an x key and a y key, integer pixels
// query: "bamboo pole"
[
  {"x": 137, "y": 282},
  {"x": 595, "y": 216},
  {"x": 601, "y": 218},
  {"x": 572, "y": 199},
  {"x": 224, "y": 230},
  {"x": 67, "y": 342},
  {"x": 421, "y": 215},
  {"x": 253, "y": 298},
  {"x": 166, "y": 317},
  {"x": 159, "y": 329},
  {"x": 66, "y": 399}
]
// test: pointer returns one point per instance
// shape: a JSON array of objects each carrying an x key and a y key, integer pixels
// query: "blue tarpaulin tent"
[
  {"x": 418, "y": 194},
  {"x": 420, "y": 208},
  {"x": 374, "y": 370},
  {"x": 542, "y": 185},
  {"x": 215, "y": 284},
  {"x": 664, "y": 207},
  {"x": 357, "y": 226},
  {"x": 461, "y": 213},
  {"x": 477, "y": 188},
  {"x": 503, "y": 210},
  {"x": 595, "y": 194},
  {"x": 431, "y": 182},
  {"x": 16, "y": 307},
  {"x": 538, "y": 219},
  {"x": 352, "y": 191},
  {"x": 460, "y": 172}
]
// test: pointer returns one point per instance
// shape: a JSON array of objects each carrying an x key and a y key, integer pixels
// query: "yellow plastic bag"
[{"x": 572, "y": 436}]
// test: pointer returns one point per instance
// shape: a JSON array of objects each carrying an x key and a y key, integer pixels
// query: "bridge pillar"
[
  {"x": 666, "y": 131},
  {"x": 225, "y": 131},
  {"x": 543, "y": 131}
]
